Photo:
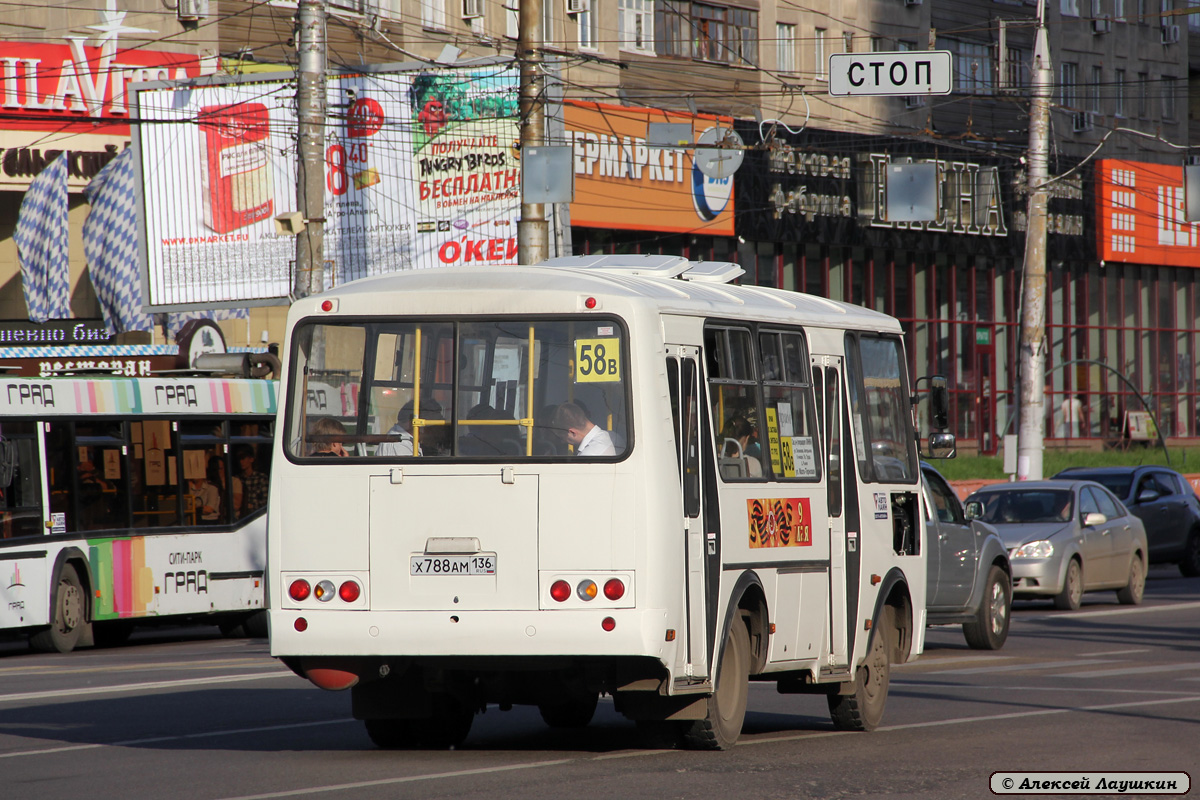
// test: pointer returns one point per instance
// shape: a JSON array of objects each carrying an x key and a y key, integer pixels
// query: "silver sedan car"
[{"x": 1064, "y": 538}]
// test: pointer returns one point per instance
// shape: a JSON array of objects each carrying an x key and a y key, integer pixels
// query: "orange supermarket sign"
[
  {"x": 1140, "y": 218},
  {"x": 620, "y": 182}
]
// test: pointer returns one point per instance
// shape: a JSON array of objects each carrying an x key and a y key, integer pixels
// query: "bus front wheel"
[
  {"x": 863, "y": 710},
  {"x": 68, "y": 617}
]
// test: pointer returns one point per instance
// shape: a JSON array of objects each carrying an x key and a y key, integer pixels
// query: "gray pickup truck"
[{"x": 969, "y": 578}]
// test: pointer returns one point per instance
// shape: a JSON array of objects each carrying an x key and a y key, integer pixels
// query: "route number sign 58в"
[{"x": 906, "y": 72}]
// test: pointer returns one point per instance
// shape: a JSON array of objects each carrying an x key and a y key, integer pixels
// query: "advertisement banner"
[
  {"x": 420, "y": 171},
  {"x": 1140, "y": 211},
  {"x": 74, "y": 97},
  {"x": 622, "y": 183}
]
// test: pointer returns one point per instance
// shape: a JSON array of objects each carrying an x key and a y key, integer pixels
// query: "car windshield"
[
  {"x": 1117, "y": 484},
  {"x": 1028, "y": 505}
]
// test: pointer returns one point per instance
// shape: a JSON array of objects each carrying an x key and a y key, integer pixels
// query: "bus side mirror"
[
  {"x": 939, "y": 402},
  {"x": 941, "y": 445}
]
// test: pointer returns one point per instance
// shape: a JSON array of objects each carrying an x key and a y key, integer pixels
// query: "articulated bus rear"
[{"x": 498, "y": 487}]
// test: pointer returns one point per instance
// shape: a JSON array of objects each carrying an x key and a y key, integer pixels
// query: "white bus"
[
  {"x": 126, "y": 499},
  {"x": 602, "y": 475}
]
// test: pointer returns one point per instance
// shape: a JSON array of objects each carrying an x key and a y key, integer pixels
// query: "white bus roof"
[{"x": 665, "y": 285}]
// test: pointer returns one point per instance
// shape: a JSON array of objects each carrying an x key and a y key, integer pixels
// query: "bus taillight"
[
  {"x": 614, "y": 589},
  {"x": 324, "y": 591},
  {"x": 299, "y": 590},
  {"x": 587, "y": 590},
  {"x": 560, "y": 591},
  {"x": 349, "y": 591},
  {"x": 608, "y": 623}
]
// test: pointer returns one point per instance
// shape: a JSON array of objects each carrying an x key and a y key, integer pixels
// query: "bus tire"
[
  {"x": 255, "y": 625},
  {"x": 721, "y": 726},
  {"x": 68, "y": 618},
  {"x": 572, "y": 710},
  {"x": 393, "y": 734},
  {"x": 112, "y": 633},
  {"x": 863, "y": 710}
]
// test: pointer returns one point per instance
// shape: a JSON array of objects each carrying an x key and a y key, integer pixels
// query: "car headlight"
[{"x": 1041, "y": 549}]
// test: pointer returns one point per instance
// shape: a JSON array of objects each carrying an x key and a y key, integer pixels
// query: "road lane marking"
[
  {"x": 1058, "y": 689},
  {"x": 191, "y": 664},
  {"x": 161, "y": 739},
  {"x": 71, "y": 694},
  {"x": 1020, "y": 667},
  {"x": 1085, "y": 615},
  {"x": 1104, "y": 673},
  {"x": 1116, "y": 653},
  {"x": 925, "y": 660}
]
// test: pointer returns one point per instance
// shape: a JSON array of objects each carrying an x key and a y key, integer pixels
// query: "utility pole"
[
  {"x": 1030, "y": 434},
  {"x": 533, "y": 232},
  {"x": 310, "y": 167}
]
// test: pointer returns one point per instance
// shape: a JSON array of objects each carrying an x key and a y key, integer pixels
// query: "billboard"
[
  {"x": 1140, "y": 214},
  {"x": 622, "y": 183},
  {"x": 420, "y": 171}
]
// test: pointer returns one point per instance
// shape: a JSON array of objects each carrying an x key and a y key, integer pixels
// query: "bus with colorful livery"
[
  {"x": 132, "y": 499},
  {"x": 603, "y": 475}
]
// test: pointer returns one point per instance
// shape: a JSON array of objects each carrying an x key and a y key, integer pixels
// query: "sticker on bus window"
[
  {"x": 597, "y": 360},
  {"x": 58, "y": 522},
  {"x": 859, "y": 451},
  {"x": 881, "y": 505},
  {"x": 604, "y": 330},
  {"x": 780, "y": 522},
  {"x": 773, "y": 441},
  {"x": 786, "y": 457},
  {"x": 785, "y": 419},
  {"x": 804, "y": 455}
]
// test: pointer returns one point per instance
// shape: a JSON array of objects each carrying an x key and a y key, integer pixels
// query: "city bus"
[
  {"x": 609, "y": 475},
  {"x": 129, "y": 499}
]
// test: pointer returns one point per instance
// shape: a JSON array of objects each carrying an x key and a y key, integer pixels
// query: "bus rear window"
[{"x": 445, "y": 389}]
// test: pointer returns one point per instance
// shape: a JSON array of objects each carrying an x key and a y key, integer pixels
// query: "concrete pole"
[
  {"x": 1030, "y": 434},
  {"x": 310, "y": 166},
  {"x": 533, "y": 231}
]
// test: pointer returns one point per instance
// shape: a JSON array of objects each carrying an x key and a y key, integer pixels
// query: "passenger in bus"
[
  {"x": 585, "y": 436},
  {"x": 324, "y": 444},
  {"x": 254, "y": 483},
  {"x": 737, "y": 446},
  {"x": 216, "y": 477},
  {"x": 93, "y": 506},
  {"x": 488, "y": 440},
  {"x": 430, "y": 410},
  {"x": 206, "y": 499}
]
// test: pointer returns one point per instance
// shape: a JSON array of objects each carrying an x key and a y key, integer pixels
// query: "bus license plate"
[{"x": 453, "y": 565}]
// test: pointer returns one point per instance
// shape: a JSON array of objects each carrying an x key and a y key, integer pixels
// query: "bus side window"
[{"x": 21, "y": 495}]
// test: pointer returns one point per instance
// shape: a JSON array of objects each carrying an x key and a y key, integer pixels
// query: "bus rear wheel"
[
  {"x": 573, "y": 710},
  {"x": 863, "y": 710},
  {"x": 721, "y": 726},
  {"x": 448, "y": 727},
  {"x": 68, "y": 618}
]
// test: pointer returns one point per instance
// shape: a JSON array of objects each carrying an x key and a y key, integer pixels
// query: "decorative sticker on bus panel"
[
  {"x": 598, "y": 360},
  {"x": 780, "y": 522},
  {"x": 791, "y": 456}
]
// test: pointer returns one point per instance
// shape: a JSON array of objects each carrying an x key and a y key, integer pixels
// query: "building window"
[
  {"x": 972, "y": 66},
  {"x": 706, "y": 32},
  {"x": 1119, "y": 11},
  {"x": 1119, "y": 94},
  {"x": 1168, "y": 97},
  {"x": 433, "y": 13},
  {"x": 511, "y": 25},
  {"x": 847, "y": 42},
  {"x": 589, "y": 28},
  {"x": 1016, "y": 69},
  {"x": 1069, "y": 8},
  {"x": 785, "y": 43},
  {"x": 636, "y": 24},
  {"x": 820, "y": 65},
  {"x": 1094, "y": 90},
  {"x": 1143, "y": 102}
]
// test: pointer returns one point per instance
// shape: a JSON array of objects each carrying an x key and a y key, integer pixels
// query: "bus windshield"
[{"x": 470, "y": 389}]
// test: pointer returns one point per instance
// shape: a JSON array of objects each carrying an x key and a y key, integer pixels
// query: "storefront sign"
[
  {"x": 621, "y": 182},
  {"x": 22, "y": 333},
  {"x": 1065, "y": 198},
  {"x": 74, "y": 97},
  {"x": 1140, "y": 215},
  {"x": 970, "y": 198}
]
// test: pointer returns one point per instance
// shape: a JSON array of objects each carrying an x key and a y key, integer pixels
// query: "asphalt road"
[{"x": 183, "y": 713}]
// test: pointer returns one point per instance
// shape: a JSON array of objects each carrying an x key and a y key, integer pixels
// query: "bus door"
[
  {"x": 683, "y": 377},
  {"x": 827, "y": 380}
]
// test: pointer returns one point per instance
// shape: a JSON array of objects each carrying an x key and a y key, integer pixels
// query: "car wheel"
[
  {"x": 990, "y": 628},
  {"x": 863, "y": 710},
  {"x": 1189, "y": 565},
  {"x": 1071, "y": 596},
  {"x": 1132, "y": 594}
]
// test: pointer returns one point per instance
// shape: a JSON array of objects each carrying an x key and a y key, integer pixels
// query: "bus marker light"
[
  {"x": 327, "y": 305},
  {"x": 587, "y": 590},
  {"x": 324, "y": 591},
  {"x": 614, "y": 589},
  {"x": 301, "y": 624},
  {"x": 608, "y": 623},
  {"x": 670, "y": 634},
  {"x": 590, "y": 302},
  {"x": 560, "y": 590},
  {"x": 299, "y": 590},
  {"x": 349, "y": 591}
]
